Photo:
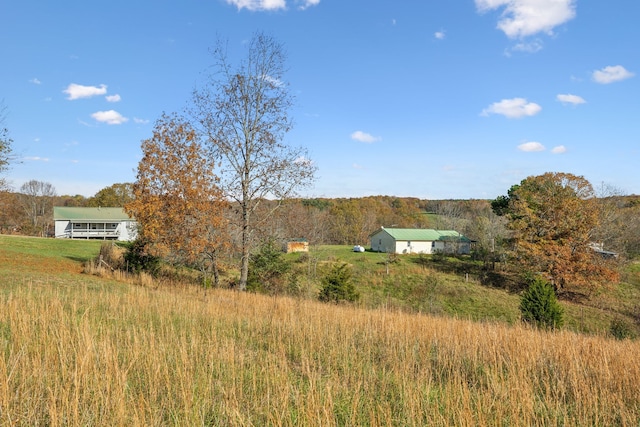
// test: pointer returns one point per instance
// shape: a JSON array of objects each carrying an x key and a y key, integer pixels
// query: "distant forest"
[{"x": 339, "y": 221}]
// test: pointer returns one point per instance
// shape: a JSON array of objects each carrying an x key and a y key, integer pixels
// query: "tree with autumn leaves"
[
  {"x": 552, "y": 218},
  {"x": 180, "y": 209}
]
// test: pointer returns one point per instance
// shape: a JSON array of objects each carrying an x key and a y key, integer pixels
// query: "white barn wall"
[
  {"x": 407, "y": 247},
  {"x": 383, "y": 242},
  {"x": 62, "y": 228}
]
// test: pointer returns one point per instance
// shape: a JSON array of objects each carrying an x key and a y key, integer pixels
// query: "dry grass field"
[{"x": 78, "y": 350}]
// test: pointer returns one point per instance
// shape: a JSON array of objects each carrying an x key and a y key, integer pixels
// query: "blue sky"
[{"x": 425, "y": 98}]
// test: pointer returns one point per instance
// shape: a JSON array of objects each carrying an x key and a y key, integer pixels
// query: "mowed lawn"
[{"x": 82, "y": 350}]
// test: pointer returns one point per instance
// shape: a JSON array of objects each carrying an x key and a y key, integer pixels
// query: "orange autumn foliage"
[
  {"x": 552, "y": 217},
  {"x": 176, "y": 201}
]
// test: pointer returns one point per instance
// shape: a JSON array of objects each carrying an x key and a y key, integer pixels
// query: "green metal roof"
[
  {"x": 89, "y": 214},
  {"x": 424, "y": 234}
]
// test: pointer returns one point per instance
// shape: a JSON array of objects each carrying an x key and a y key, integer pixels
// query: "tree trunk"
[{"x": 244, "y": 260}]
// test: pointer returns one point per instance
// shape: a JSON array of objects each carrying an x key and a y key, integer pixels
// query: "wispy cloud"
[
  {"x": 304, "y": 4},
  {"x": 570, "y": 99},
  {"x": 522, "y": 18},
  {"x": 560, "y": 149},
  {"x": 531, "y": 147},
  {"x": 440, "y": 35},
  {"x": 364, "y": 137},
  {"x": 110, "y": 117},
  {"x": 514, "y": 108},
  {"x": 35, "y": 81},
  {"x": 113, "y": 98},
  {"x": 76, "y": 91},
  {"x": 526, "y": 47},
  {"x": 36, "y": 159},
  {"x": 266, "y": 5},
  {"x": 610, "y": 74},
  {"x": 140, "y": 121}
]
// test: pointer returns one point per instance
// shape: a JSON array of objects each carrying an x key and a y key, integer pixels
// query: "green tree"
[
  {"x": 539, "y": 305},
  {"x": 244, "y": 113},
  {"x": 116, "y": 195},
  {"x": 338, "y": 285},
  {"x": 552, "y": 218},
  {"x": 268, "y": 270}
]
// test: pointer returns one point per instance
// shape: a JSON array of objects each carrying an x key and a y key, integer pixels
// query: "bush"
[
  {"x": 338, "y": 286},
  {"x": 621, "y": 330},
  {"x": 269, "y": 271},
  {"x": 137, "y": 258},
  {"x": 539, "y": 305}
]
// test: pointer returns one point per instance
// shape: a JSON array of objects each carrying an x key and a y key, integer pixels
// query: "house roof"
[
  {"x": 424, "y": 234},
  {"x": 89, "y": 214}
]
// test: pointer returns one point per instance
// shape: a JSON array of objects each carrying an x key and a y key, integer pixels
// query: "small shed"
[
  {"x": 94, "y": 223},
  {"x": 296, "y": 245},
  {"x": 417, "y": 240}
]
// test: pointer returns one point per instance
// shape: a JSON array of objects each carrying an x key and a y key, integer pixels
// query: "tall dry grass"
[{"x": 94, "y": 355}]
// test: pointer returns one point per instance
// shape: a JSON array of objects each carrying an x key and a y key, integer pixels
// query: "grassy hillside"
[
  {"x": 456, "y": 288},
  {"x": 77, "y": 349}
]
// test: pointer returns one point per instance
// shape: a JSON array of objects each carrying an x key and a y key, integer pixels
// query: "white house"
[
  {"x": 94, "y": 223},
  {"x": 416, "y": 241}
]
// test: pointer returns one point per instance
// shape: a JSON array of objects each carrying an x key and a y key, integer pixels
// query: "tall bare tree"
[
  {"x": 244, "y": 112},
  {"x": 176, "y": 201},
  {"x": 37, "y": 198},
  {"x": 6, "y": 151}
]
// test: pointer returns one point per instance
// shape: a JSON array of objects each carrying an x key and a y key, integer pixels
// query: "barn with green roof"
[{"x": 419, "y": 241}]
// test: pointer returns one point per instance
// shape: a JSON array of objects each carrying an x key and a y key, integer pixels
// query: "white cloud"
[
  {"x": 560, "y": 149},
  {"x": 110, "y": 117},
  {"x": 364, "y": 137},
  {"x": 357, "y": 166},
  {"x": 440, "y": 35},
  {"x": 513, "y": 108},
  {"x": 36, "y": 159},
  {"x": 307, "y": 3},
  {"x": 531, "y": 146},
  {"x": 528, "y": 47},
  {"x": 522, "y": 18},
  {"x": 264, "y": 5},
  {"x": 76, "y": 91},
  {"x": 258, "y": 4},
  {"x": 570, "y": 99},
  {"x": 140, "y": 121},
  {"x": 113, "y": 98},
  {"x": 35, "y": 81},
  {"x": 610, "y": 74}
]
